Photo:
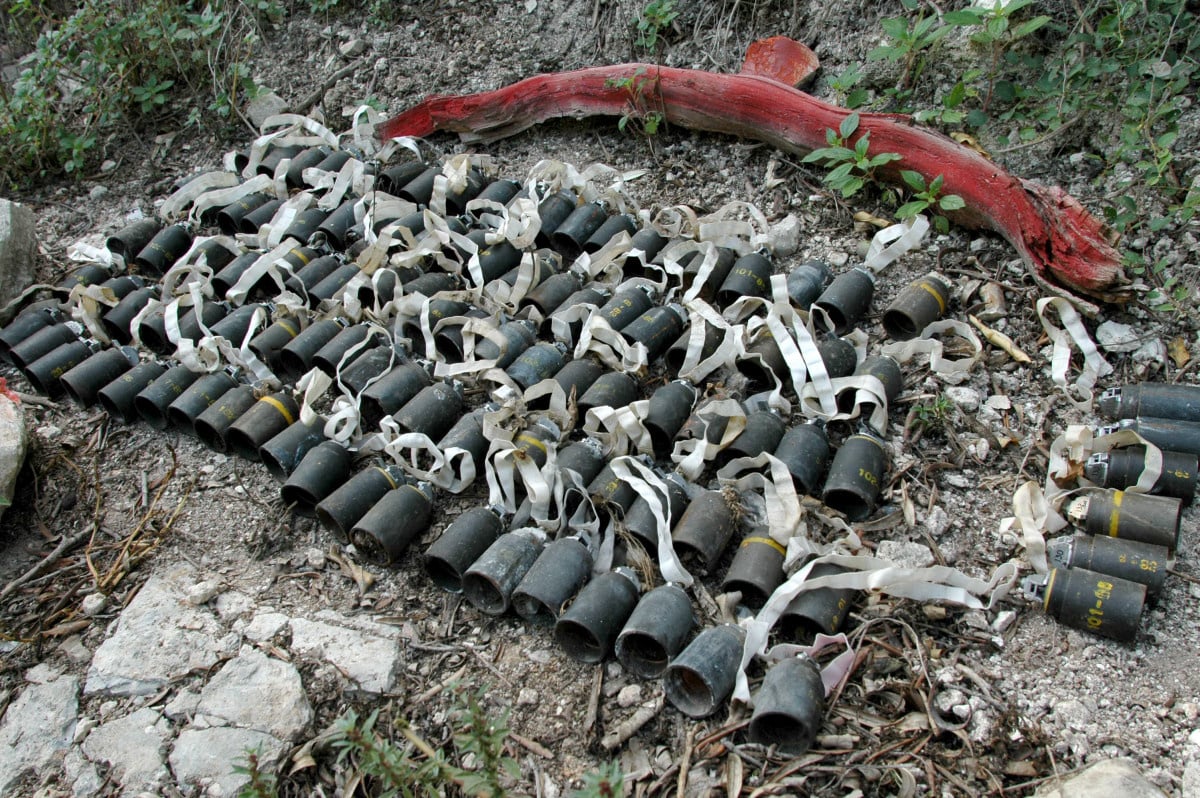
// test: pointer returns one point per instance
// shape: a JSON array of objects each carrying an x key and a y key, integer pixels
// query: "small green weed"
[
  {"x": 926, "y": 197},
  {"x": 851, "y": 167},
  {"x": 933, "y": 416},
  {"x": 645, "y": 107},
  {"x": 261, "y": 784},
  {"x": 652, "y": 23}
]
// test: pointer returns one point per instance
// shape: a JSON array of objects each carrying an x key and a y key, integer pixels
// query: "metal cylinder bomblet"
[
  {"x": 550, "y": 294},
  {"x": 856, "y": 476},
  {"x": 490, "y": 581},
  {"x": 467, "y": 434},
  {"x": 214, "y": 422},
  {"x": 285, "y": 451},
  {"x": 268, "y": 417},
  {"x": 749, "y": 276},
  {"x": 1151, "y": 399},
  {"x": 558, "y": 573},
  {"x": 253, "y": 220},
  {"x": 133, "y": 238},
  {"x": 118, "y": 396},
  {"x": 392, "y": 391},
  {"x": 307, "y": 159},
  {"x": 806, "y": 282},
  {"x": 167, "y": 246},
  {"x": 716, "y": 278},
  {"x": 433, "y": 411},
  {"x": 419, "y": 188},
  {"x": 457, "y": 197},
  {"x": 305, "y": 224},
  {"x": 611, "y": 389},
  {"x": 887, "y": 371},
  {"x": 308, "y": 276},
  {"x": 822, "y": 610},
  {"x": 537, "y": 363},
  {"x": 764, "y": 430},
  {"x": 570, "y": 236},
  {"x": 339, "y": 229},
  {"x": 329, "y": 357},
  {"x": 198, "y": 397},
  {"x": 296, "y": 356},
  {"x": 669, "y": 408},
  {"x": 501, "y": 192},
  {"x": 345, "y": 505},
  {"x": 324, "y": 468},
  {"x": 611, "y": 495},
  {"x": 332, "y": 283},
  {"x": 1165, "y": 433},
  {"x": 656, "y": 631},
  {"x": 118, "y": 319},
  {"x": 41, "y": 343},
  {"x": 1120, "y": 468},
  {"x": 610, "y": 229},
  {"x": 1129, "y": 559},
  {"x": 369, "y": 368},
  {"x": 46, "y": 373},
  {"x": 657, "y": 329},
  {"x": 626, "y": 305},
  {"x": 756, "y": 570},
  {"x": 804, "y": 449},
  {"x": 647, "y": 241},
  {"x": 400, "y": 516},
  {"x": 518, "y": 335},
  {"x": 699, "y": 680},
  {"x": 495, "y": 259},
  {"x": 153, "y": 402},
  {"x": 704, "y": 530},
  {"x": 89, "y": 274},
  {"x": 232, "y": 273},
  {"x": 588, "y": 295},
  {"x": 461, "y": 544},
  {"x": 1129, "y": 516},
  {"x": 269, "y": 343},
  {"x": 921, "y": 303},
  {"x": 847, "y": 299},
  {"x": 229, "y": 218},
  {"x": 575, "y": 378},
  {"x": 553, "y": 211},
  {"x": 640, "y": 521},
  {"x": 30, "y": 321},
  {"x": 1098, "y": 603},
  {"x": 84, "y": 381},
  {"x": 789, "y": 706},
  {"x": 587, "y": 629},
  {"x": 275, "y": 157},
  {"x": 677, "y": 353}
]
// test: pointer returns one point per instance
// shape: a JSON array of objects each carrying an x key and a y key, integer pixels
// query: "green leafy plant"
[
  {"x": 997, "y": 31},
  {"x": 851, "y": 165},
  {"x": 260, "y": 784},
  {"x": 928, "y": 197},
  {"x": 846, "y": 89},
  {"x": 933, "y": 416},
  {"x": 481, "y": 736},
  {"x": 645, "y": 107},
  {"x": 108, "y": 65},
  {"x": 910, "y": 42},
  {"x": 603, "y": 783},
  {"x": 654, "y": 20}
]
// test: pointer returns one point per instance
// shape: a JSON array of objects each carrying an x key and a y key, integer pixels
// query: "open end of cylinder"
[
  {"x": 181, "y": 421},
  {"x": 789, "y": 734},
  {"x": 836, "y": 317},
  {"x": 80, "y": 395},
  {"x": 642, "y": 655},
  {"x": 534, "y": 610},
  {"x": 370, "y": 546},
  {"x": 566, "y": 246},
  {"x": 444, "y": 574},
  {"x": 484, "y": 594},
  {"x": 44, "y": 383},
  {"x": 660, "y": 441},
  {"x": 333, "y": 524},
  {"x": 579, "y": 642},
  {"x": 210, "y": 436},
  {"x": 275, "y": 466},
  {"x": 152, "y": 340},
  {"x": 151, "y": 413},
  {"x": 899, "y": 325},
  {"x": 761, "y": 378},
  {"x": 753, "y": 594},
  {"x": 848, "y": 503},
  {"x": 110, "y": 406},
  {"x": 240, "y": 443},
  {"x": 300, "y": 499},
  {"x": 292, "y": 363},
  {"x": 689, "y": 692}
]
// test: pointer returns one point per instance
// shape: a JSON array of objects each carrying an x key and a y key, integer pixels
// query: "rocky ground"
[{"x": 197, "y": 618}]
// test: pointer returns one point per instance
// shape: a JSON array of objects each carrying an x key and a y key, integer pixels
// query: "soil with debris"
[{"x": 942, "y": 701}]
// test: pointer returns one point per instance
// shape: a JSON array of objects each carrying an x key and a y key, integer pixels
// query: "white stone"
[
  {"x": 263, "y": 106},
  {"x": 93, "y": 604},
  {"x": 904, "y": 553},
  {"x": 527, "y": 697},
  {"x": 265, "y": 625},
  {"x": 42, "y": 673},
  {"x": 208, "y": 756},
  {"x": 183, "y": 705},
  {"x": 629, "y": 695},
  {"x": 38, "y": 726},
  {"x": 254, "y": 691},
  {"x": 158, "y": 638},
  {"x": 1116, "y": 337},
  {"x": 84, "y": 779},
  {"x": 1152, "y": 353},
  {"x": 14, "y": 440},
  {"x": 18, "y": 249},
  {"x": 203, "y": 592},
  {"x": 1191, "y": 780},
  {"x": 353, "y": 48},
  {"x": 1110, "y": 777},
  {"x": 784, "y": 236},
  {"x": 937, "y": 521},
  {"x": 370, "y": 662},
  {"x": 133, "y": 747},
  {"x": 965, "y": 398},
  {"x": 233, "y": 604},
  {"x": 74, "y": 650},
  {"x": 1004, "y": 619},
  {"x": 1071, "y": 714}
]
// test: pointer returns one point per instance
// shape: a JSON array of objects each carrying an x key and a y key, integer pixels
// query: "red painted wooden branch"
[{"x": 1054, "y": 234}]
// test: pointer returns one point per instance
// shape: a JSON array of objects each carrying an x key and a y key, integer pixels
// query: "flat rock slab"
[
  {"x": 369, "y": 661},
  {"x": 1115, "y": 777},
  {"x": 18, "y": 249},
  {"x": 206, "y": 757},
  {"x": 14, "y": 440},
  {"x": 159, "y": 637},
  {"x": 254, "y": 691},
  {"x": 38, "y": 726},
  {"x": 132, "y": 746}
]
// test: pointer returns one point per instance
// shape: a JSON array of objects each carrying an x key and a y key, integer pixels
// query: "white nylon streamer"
[
  {"x": 690, "y": 456},
  {"x": 783, "y": 514},
  {"x": 187, "y": 194},
  {"x": 620, "y": 428},
  {"x": 650, "y": 487},
  {"x": 87, "y": 303},
  {"x": 951, "y": 371},
  {"x": 1094, "y": 364},
  {"x": 289, "y": 133},
  {"x": 727, "y": 353},
  {"x": 891, "y": 242}
]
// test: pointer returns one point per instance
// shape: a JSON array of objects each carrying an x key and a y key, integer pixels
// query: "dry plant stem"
[
  {"x": 1057, "y": 238},
  {"x": 65, "y": 545}
]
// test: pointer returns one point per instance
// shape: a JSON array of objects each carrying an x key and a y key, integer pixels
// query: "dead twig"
[{"x": 65, "y": 545}]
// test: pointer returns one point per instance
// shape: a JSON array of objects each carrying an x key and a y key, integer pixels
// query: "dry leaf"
[
  {"x": 1178, "y": 350},
  {"x": 967, "y": 140},
  {"x": 869, "y": 218},
  {"x": 1001, "y": 341}
]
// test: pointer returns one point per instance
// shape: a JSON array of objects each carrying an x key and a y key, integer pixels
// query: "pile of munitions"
[
  {"x": 448, "y": 308},
  {"x": 1102, "y": 577}
]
